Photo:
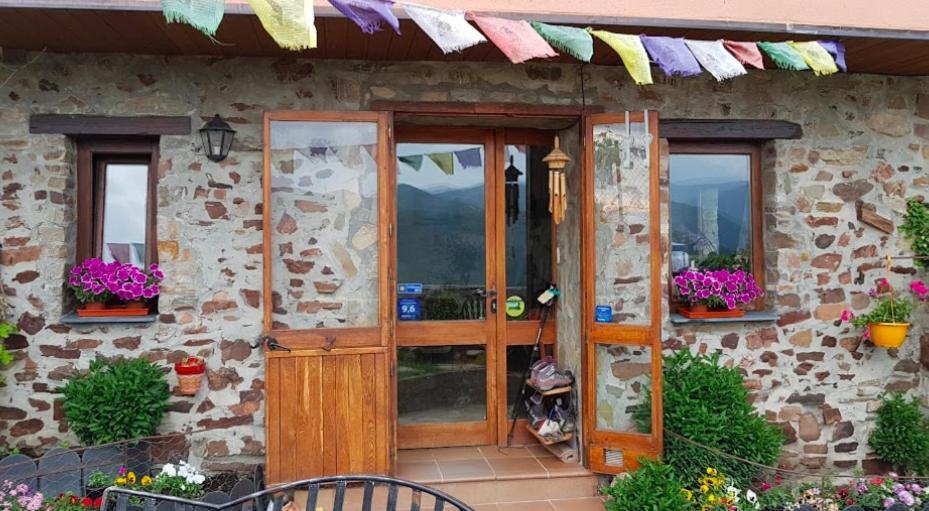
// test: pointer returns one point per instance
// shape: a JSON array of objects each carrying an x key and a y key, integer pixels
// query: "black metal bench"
[{"x": 378, "y": 493}]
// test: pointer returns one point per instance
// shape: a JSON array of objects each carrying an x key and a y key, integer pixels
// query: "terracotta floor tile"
[
  {"x": 556, "y": 467},
  {"x": 539, "y": 450},
  {"x": 492, "y": 451},
  {"x": 457, "y": 453},
  {"x": 583, "y": 504},
  {"x": 423, "y": 472},
  {"x": 537, "y": 505},
  {"x": 465, "y": 470},
  {"x": 517, "y": 468},
  {"x": 571, "y": 487},
  {"x": 486, "y": 507},
  {"x": 415, "y": 455}
]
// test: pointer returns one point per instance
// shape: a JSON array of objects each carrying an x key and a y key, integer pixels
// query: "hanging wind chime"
[
  {"x": 557, "y": 160},
  {"x": 511, "y": 176}
]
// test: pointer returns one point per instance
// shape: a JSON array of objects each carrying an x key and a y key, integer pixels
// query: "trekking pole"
[{"x": 547, "y": 299}]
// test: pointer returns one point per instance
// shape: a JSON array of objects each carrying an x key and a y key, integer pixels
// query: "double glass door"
[{"x": 474, "y": 250}]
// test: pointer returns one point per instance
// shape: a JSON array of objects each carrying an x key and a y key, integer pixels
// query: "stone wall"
[{"x": 865, "y": 137}]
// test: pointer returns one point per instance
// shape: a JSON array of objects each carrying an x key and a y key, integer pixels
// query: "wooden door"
[
  {"x": 447, "y": 286},
  {"x": 327, "y": 294},
  {"x": 621, "y": 290}
]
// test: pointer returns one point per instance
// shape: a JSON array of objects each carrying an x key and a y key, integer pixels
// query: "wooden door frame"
[
  {"x": 630, "y": 335},
  {"x": 462, "y": 332}
]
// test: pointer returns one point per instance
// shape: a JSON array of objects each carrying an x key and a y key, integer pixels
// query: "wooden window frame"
[
  {"x": 92, "y": 157},
  {"x": 756, "y": 202}
]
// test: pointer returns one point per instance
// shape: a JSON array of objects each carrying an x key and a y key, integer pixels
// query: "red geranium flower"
[
  {"x": 87, "y": 502},
  {"x": 73, "y": 499},
  {"x": 98, "y": 502},
  {"x": 876, "y": 481}
]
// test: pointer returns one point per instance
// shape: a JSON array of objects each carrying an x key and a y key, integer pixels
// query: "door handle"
[
  {"x": 492, "y": 294},
  {"x": 273, "y": 345}
]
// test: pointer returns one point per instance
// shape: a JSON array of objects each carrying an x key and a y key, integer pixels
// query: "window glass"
[
  {"x": 438, "y": 384},
  {"x": 125, "y": 213},
  {"x": 710, "y": 207},
  {"x": 324, "y": 264}
]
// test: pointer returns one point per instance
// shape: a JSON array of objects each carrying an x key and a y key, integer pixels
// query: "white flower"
[
  {"x": 169, "y": 470},
  {"x": 199, "y": 479},
  {"x": 751, "y": 496}
]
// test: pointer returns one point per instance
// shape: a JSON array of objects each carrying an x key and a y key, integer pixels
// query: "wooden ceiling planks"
[{"x": 145, "y": 32}]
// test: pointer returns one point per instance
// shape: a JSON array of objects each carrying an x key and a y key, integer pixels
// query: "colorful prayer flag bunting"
[
  {"x": 470, "y": 157},
  {"x": 784, "y": 56},
  {"x": 745, "y": 52},
  {"x": 204, "y": 15},
  {"x": 571, "y": 40},
  {"x": 837, "y": 50},
  {"x": 444, "y": 161},
  {"x": 368, "y": 14},
  {"x": 672, "y": 55},
  {"x": 816, "y": 57},
  {"x": 515, "y": 38},
  {"x": 713, "y": 56},
  {"x": 289, "y": 22},
  {"x": 447, "y": 29},
  {"x": 631, "y": 51}
]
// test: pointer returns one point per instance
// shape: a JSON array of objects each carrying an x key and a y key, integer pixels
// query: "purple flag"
[
  {"x": 837, "y": 50},
  {"x": 368, "y": 14},
  {"x": 672, "y": 55},
  {"x": 470, "y": 157}
]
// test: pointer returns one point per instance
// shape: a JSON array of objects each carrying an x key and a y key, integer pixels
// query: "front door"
[{"x": 472, "y": 231}]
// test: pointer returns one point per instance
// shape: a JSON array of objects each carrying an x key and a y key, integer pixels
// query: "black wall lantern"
[{"x": 217, "y": 136}]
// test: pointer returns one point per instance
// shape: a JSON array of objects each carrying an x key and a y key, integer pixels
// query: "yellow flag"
[
  {"x": 631, "y": 50},
  {"x": 289, "y": 22},
  {"x": 816, "y": 57}
]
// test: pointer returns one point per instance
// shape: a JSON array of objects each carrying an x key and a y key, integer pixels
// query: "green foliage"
[
  {"x": 717, "y": 261},
  {"x": 6, "y": 330},
  {"x": 116, "y": 400},
  {"x": 708, "y": 404},
  {"x": 901, "y": 435},
  {"x": 653, "y": 487},
  {"x": 777, "y": 497},
  {"x": 916, "y": 229},
  {"x": 888, "y": 310},
  {"x": 100, "y": 479}
]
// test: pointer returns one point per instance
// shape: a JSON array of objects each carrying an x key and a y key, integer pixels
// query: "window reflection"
[{"x": 125, "y": 219}]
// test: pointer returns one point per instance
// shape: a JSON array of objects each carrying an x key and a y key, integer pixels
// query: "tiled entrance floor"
[{"x": 503, "y": 479}]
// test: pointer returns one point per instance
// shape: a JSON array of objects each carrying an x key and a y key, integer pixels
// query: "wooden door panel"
[{"x": 332, "y": 414}]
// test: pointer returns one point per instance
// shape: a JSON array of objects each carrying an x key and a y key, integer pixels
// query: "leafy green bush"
[
  {"x": 116, "y": 400},
  {"x": 916, "y": 229},
  {"x": 708, "y": 404},
  {"x": 653, "y": 487},
  {"x": 901, "y": 435},
  {"x": 6, "y": 330}
]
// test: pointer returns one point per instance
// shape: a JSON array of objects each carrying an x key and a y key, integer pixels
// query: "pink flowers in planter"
[
  {"x": 717, "y": 288},
  {"x": 97, "y": 281}
]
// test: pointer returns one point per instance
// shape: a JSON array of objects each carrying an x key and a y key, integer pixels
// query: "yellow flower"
[
  {"x": 711, "y": 498},
  {"x": 704, "y": 488},
  {"x": 120, "y": 481},
  {"x": 689, "y": 495},
  {"x": 131, "y": 477},
  {"x": 146, "y": 480},
  {"x": 712, "y": 471}
]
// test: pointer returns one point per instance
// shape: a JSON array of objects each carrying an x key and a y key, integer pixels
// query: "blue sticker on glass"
[
  {"x": 409, "y": 309},
  {"x": 410, "y": 288},
  {"x": 603, "y": 314}
]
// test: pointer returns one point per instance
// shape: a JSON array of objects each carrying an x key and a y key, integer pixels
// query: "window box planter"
[
  {"x": 700, "y": 311},
  {"x": 104, "y": 310}
]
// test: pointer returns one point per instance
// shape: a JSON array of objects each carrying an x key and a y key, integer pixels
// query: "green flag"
[
  {"x": 444, "y": 161},
  {"x": 413, "y": 160},
  {"x": 784, "y": 56},
  {"x": 204, "y": 15},
  {"x": 571, "y": 40}
]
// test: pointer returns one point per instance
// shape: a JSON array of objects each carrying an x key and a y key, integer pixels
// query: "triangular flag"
[
  {"x": 470, "y": 157},
  {"x": 289, "y": 22},
  {"x": 784, "y": 56},
  {"x": 447, "y": 29},
  {"x": 414, "y": 160},
  {"x": 204, "y": 15},
  {"x": 571, "y": 40},
  {"x": 630, "y": 49},
  {"x": 745, "y": 52},
  {"x": 368, "y": 14},
  {"x": 816, "y": 57},
  {"x": 837, "y": 50},
  {"x": 672, "y": 55},
  {"x": 712, "y": 55},
  {"x": 515, "y": 38},
  {"x": 444, "y": 161}
]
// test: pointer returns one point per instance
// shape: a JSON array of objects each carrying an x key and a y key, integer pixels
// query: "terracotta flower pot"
[
  {"x": 702, "y": 311},
  {"x": 94, "y": 306},
  {"x": 190, "y": 375},
  {"x": 888, "y": 335}
]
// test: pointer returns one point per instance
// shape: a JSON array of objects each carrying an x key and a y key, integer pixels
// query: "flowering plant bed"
[
  {"x": 715, "y": 293},
  {"x": 97, "y": 285}
]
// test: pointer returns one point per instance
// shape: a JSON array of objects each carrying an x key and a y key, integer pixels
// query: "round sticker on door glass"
[{"x": 515, "y": 306}]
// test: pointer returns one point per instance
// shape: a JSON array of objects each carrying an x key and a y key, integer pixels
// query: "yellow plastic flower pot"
[{"x": 888, "y": 335}]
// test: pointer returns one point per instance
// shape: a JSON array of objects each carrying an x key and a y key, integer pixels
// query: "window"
[
  {"x": 116, "y": 201},
  {"x": 716, "y": 204}
]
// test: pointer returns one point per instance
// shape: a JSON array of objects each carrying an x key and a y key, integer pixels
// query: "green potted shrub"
[
  {"x": 653, "y": 487},
  {"x": 901, "y": 435},
  {"x": 114, "y": 400}
]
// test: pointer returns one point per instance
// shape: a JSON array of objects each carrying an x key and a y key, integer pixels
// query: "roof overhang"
[{"x": 882, "y": 46}]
